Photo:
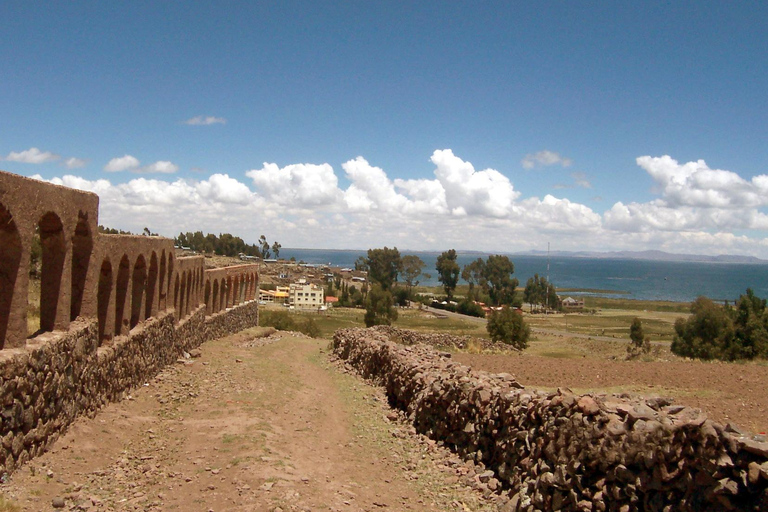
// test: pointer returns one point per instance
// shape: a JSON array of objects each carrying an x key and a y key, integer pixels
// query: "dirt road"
[{"x": 254, "y": 424}]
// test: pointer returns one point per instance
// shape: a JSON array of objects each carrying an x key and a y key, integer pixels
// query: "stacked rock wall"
[
  {"x": 57, "y": 377},
  {"x": 559, "y": 451}
]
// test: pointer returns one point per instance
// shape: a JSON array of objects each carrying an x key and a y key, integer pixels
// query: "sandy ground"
[
  {"x": 254, "y": 424},
  {"x": 727, "y": 392}
]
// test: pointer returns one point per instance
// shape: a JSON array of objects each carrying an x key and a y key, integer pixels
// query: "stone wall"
[
  {"x": 559, "y": 451},
  {"x": 59, "y": 376}
]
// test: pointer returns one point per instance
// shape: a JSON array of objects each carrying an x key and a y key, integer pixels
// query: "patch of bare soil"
[
  {"x": 254, "y": 424},
  {"x": 727, "y": 392}
]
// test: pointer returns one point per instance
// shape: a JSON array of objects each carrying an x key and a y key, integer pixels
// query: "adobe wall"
[
  {"x": 559, "y": 451},
  {"x": 114, "y": 310}
]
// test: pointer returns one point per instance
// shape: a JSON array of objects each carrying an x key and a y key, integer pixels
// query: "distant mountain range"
[{"x": 649, "y": 255}]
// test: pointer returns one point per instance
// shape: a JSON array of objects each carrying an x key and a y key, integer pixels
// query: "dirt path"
[{"x": 254, "y": 424}]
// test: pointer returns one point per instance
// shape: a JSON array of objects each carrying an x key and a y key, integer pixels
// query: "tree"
[
  {"x": 501, "y": 286},
  {"x": 361, "y": 264},
  {"x": 384, "y": 266},
  {"x": 540, "y": 292},
  {"x": 639, "y": 343},
  {"x": 507, "y": 326},
  {"x": 276, "y": 249},
  {"x": 473, "y": 274},
  {"x": 379, "y": 307},
  {"x": 412, "y": 267},
  {"x": 448, "y": 271},
  {"x": 264, "y": 247},
  {"x": 705, "y": 333}
]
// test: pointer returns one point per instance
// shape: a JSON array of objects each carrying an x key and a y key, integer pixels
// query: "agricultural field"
[{"x": 586, "y": 352}]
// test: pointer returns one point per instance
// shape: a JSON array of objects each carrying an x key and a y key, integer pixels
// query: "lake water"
[{"x": 631, "y": 279}]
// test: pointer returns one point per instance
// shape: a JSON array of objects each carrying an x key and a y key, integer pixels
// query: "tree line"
[{"x": 227, "y": 244}]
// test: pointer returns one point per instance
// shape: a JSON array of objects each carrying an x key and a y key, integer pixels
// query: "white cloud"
[
  {"x": 161, "y": 166},
  {"x": 544, "y": 158},
  {"x": 303, "y": 205},
  {"x": 74, "y": 163},
  {"x": 132, "y": 164},
  {"x": 471, "y": 192},
  {"x": 122, "y": 163},
  {"x": 297, "y": 185},
  {"x": 205, "y": 120},
  {"x": 32, "y": 156},
  {"x": 695, "y": 184},
  {"x": 371, "y": 188}
]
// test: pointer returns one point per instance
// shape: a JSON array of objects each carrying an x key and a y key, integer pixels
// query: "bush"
[
  {"x": 379, "y": 307},
  {"x": 508, "y": 326},
  {"x": 468, "y": 307},
  {"x": 715, "y": 332},
  {"x": 639, "y": 343}
]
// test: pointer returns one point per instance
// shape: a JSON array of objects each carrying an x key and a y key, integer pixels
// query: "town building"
[{"x": 302, "y": 295}]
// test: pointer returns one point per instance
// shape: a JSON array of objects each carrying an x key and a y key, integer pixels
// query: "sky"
[{"x": 491, "y": 126}]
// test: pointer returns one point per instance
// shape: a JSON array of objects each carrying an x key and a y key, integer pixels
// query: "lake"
[{"x": 627, "y": 278}]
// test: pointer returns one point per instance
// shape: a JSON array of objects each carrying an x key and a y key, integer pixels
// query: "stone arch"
[
  {"x": 82, "y": 247},
  {"x": 54, "y": 254},
  {"x": 121, "y": 293},
  {"x": 161, "y": 287},
  {"x": 12, "y": 329},
  {"x": 182, "y": 296},
  {"x": 235, "y": 290},
  {"x": 207, "y": 298},
  {"x": 176, "y": 297},
  {"x": 138, "y": 290},
  {"x": 103, "y": 297},
  {"x": 243, "y": 287},
  {"x": 223, "y": 295},
  {"x": 190, "y": 294},
  {"x": 170, "y": 299},
  {"x": 152, "y": 293},
  {"x": 215, "y": 305}
]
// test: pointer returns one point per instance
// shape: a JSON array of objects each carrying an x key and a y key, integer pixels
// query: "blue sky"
[{"x": 498, "y": 126}]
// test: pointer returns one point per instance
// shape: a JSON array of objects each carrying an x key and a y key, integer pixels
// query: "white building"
[{"x": 302, "y": 295}]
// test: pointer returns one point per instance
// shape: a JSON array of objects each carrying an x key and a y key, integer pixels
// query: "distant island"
[{"x": 648, "y": 255}]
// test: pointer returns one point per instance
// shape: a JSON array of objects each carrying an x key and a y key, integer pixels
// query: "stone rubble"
[{"x": 558, "y": 450}]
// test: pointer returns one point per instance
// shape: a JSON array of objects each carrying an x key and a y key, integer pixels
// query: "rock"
[
  {"x": 58, "y": 502},
  {"x": 588, "y": 406}
]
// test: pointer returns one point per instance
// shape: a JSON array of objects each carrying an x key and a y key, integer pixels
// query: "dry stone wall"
[
  {"x": 560, "y": 451},
  {"x": 58, "y": 377},
  {"x": 114, "y": 309}
]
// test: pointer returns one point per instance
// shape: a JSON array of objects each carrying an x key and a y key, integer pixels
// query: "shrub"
[{"x": 507, "y": 326}]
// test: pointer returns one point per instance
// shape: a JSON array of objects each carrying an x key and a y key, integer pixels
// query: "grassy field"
[{"x": 603, "y": 334}]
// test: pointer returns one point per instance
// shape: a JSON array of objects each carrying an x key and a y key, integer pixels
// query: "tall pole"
[{"x": 547, "y": 292}]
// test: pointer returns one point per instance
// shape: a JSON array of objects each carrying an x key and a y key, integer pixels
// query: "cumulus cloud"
[
  {"x": 693, "y": 198},
  {"x": 74, "y": 163},
  {"x": 122, "y": 163},
  {"x": 32, "y": 156},
  {"x": 205, "y": 120},
  {"x": 303, "y": 205},
  {"x": 471, "y": 192},
  {"x": 161, "y": 166},
  {"x": 695, "y": 184},
  {"x": 297, "y": 185},
  {"x": 544, "y": 158},
  {"x": 132, "y": 164}
]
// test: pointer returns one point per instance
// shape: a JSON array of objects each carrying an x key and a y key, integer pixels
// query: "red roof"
[{"x": 330, "y": 298}]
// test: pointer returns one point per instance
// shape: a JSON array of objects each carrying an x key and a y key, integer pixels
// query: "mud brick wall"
[
  {"x": 58, "y": 376},
  {"x": 560, "y": 451}
]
